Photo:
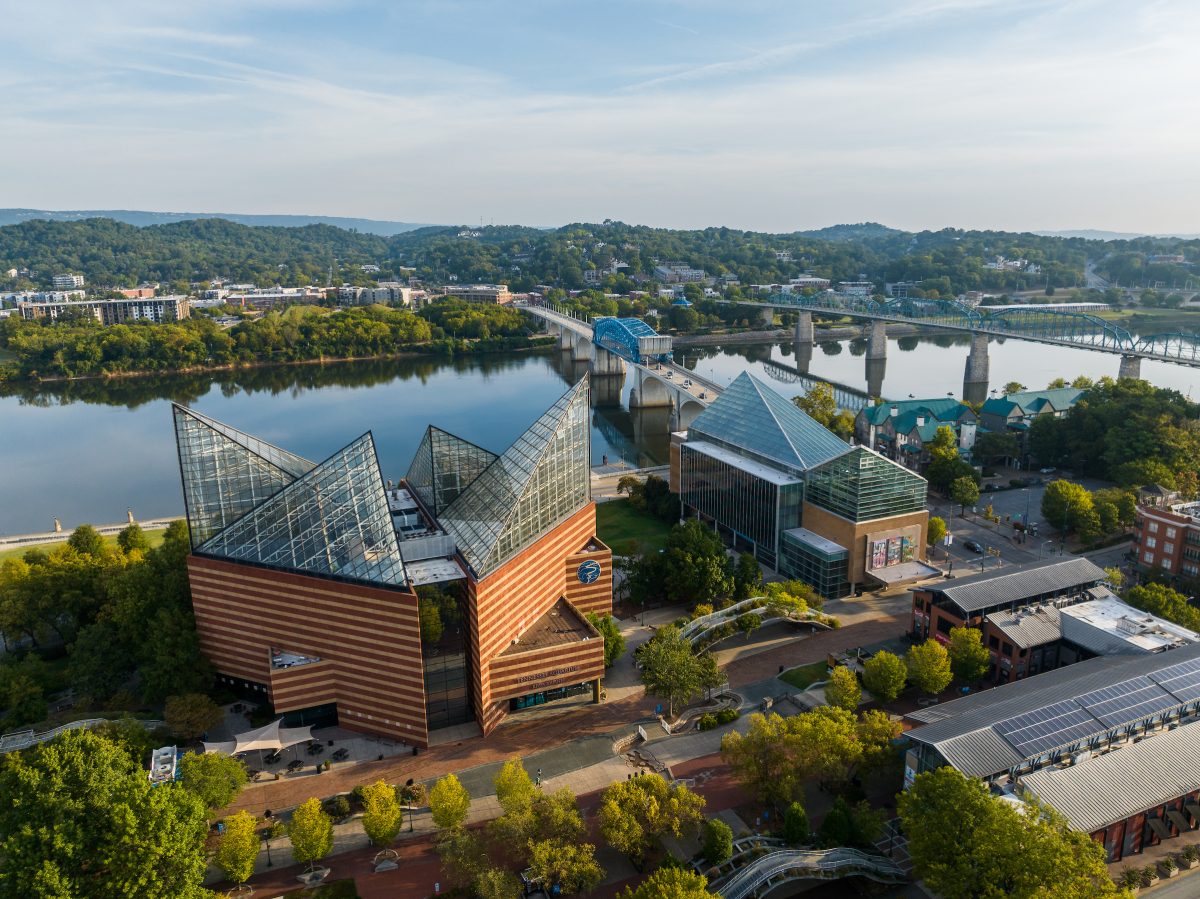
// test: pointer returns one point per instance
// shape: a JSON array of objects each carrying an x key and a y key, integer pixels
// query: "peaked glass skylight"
[
  {"x": 334, "y": 520},
  {"x": 444, "y": 467},
  {"x": 862, "y": 485},
  {"x": 226, "y": 472},
  {"x": 539, "y": 481},
  {"x": 750, "y": 417}
]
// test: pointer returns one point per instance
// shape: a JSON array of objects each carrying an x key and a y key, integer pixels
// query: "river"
[{"x": 85, "y": 451}]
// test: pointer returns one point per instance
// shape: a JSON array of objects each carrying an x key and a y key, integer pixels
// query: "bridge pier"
[
  {"x": 875, "y": 372},
  {"x": 1131, "y": 367},
  {"x": 804, "y": 330},
  {"x": 877, "y": 339},
  {"x": 767, "y": 316},
  {"x": 606, "y": 389},
  {"x": 566, "y": 338},
  {"x": 582, "y": 349},
  {"x": 606, "y": 363},
  {"x": 804, "y": 354}
]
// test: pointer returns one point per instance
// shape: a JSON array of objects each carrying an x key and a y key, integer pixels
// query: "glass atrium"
[{"x": 861, "y": 485}]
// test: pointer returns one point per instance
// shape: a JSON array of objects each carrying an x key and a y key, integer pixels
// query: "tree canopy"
[
  {"x": 884, "y": 675},
  {"x": 929, "y": 666},
  {"x": 80, "y": 818},
  {"x": 634, "y": 814}
]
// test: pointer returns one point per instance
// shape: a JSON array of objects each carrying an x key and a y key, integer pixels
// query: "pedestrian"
[{"x": 539, "y": 777}]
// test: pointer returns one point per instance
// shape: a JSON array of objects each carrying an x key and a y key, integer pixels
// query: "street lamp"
[{"x": 266, "y": 837}]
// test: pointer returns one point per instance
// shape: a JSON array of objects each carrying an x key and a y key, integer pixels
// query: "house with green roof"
[
  {"x": 778, "y": 484},
  {"x": 1016, "y": 412},
  {"x": 901, "y": 430}
]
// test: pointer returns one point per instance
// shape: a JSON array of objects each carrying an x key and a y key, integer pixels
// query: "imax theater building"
[{"x": 305, "y": 575}]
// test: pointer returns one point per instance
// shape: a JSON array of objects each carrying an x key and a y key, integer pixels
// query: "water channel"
[{"x": 85, "y": 451}]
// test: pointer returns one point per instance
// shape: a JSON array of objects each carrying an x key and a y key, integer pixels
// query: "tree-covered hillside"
[{"x": 949, "y": 261}]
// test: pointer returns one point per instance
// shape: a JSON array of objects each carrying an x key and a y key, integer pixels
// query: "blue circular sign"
[{"x": 589, "y": 572}]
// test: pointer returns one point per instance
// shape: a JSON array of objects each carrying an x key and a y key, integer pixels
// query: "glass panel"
[
  {"x": 862, "y": 486},
  {"x": 826, "y": 572},
  {"x": 332, "y": 521},
  {"x": 444, "y": 467},
  {"x": 226, "y": 473},
  {"x": 735, "y": 499},
  {"x": 539, "y": 481},
  {"x": 754, "y": 420}
]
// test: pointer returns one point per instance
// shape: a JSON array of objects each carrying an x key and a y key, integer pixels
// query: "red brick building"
[{"x": 306, "y": 577}]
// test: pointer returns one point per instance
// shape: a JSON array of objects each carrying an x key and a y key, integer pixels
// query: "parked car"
[
  {"x": 1049, "y": 470},
  {"x": 973, "y": 546}
]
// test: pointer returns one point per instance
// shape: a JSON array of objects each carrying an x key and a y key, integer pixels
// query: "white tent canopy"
[{"x": 272, "y": 737}]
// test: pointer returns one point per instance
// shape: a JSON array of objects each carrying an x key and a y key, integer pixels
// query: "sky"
[{"x": 773, "y": 115}]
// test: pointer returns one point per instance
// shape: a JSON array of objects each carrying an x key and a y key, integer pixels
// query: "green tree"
[
  {"x": 796, "y": 829},
  {"x": 1064, "y": 503},
  {"x": 670, "y": 667},
  {"x": 614, "y": 640},
  {"x": 634, "y": 814},
  {"x": 449, "y": 803},
  {"x": 843, "y": 424},
  {"x": 132, "y": 537},
  {"x": 464, "y": 857},
  {"x": 91, "y": 666},
  {"x": 842, "y": 689},
  {"x": 237, "y": 848},
  {"x": 382, "y": 816},
  {"x": 86, "y": 541},
  {"x": 929, "y": 666},
  {"x": 855, "y": 825},
  {"x": 570, "y": 866},
  {"x": 670, "y": 883},
  {"x": 1057, "y": 383},
  {"x": 999, "y": 852},
  {"x": 213, "y": 778},
  {"x": 1013, "y": 387},
  {"x": 311, "y": 833},
  {"x": 818, "y": 403},
  {"x": 718, "y": 841},
  {"x": 189, "y": 716},
  {"x": 496, "y": 883},
  {"x": 936, "y": 530},
  {"x": 991, "y": 446},
  {"x": 747, "y": 623},
  {"x": 969, "y": 658},
  {"x": 1115, "y": 577},
  {"x": 884, "y": 675},
  {"x": 1160, "y": 600},
  {"x": 965, "y": 492},
  {"x": 696, "y": 566},
  {"x": 80, "y": 799},
  {"x": 515, "y": 789},
  {"x": 747, "y": 577}
]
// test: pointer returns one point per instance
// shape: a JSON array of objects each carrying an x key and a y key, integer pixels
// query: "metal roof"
[
  {"x": 1109, "y": 788},
  {"x": 962, "y": 730},
  {"x": 1030, "y": 626},
  {"x": 1020, "y": 584}
]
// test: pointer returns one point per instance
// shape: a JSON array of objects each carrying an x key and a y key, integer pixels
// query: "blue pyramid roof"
[{"x": 749, "y": 415}]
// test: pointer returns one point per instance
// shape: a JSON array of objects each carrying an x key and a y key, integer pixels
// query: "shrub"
[
  {"x": 1168, "y": 864},
  {"x": 718, "y": 841},
  {"x": 1149, "y": 874},
  {"x": 338, "y": 807},
  {"x": 1130, "y": 879},
  {"x": 727, "y": 715},
  {"x": 707, "y": 721},
  {"x": 795, "y": 824}
]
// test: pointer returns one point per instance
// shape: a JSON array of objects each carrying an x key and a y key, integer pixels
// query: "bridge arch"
[
  {"x": 947, "y": 312},
  {"x": 630, "y": 338},
  {"x": 653, "y": 390},
  {"x": 1058, "y": 326},
  {"x": 688, "y": 412},
  {"x": 834, "y": 303}
]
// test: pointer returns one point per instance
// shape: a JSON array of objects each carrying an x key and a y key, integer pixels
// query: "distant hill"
[
  {"x": 142, "y": 219},
  {"x": 1092, "y": 234},
  {"x": 861, "y": 231}
]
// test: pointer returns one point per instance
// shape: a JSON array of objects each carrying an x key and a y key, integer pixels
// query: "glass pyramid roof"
[
  {"x": 541, "y": 479},
  {"x": 862, "y": 485},
  {"x": 226, "y": 472},
  {"x": 334, "y": 521},
  {"x": 444, "y": 467},
  {"x": 750, "y": 416}
]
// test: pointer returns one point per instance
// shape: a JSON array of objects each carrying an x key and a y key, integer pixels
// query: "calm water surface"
[{"x": 84, "y": 452}]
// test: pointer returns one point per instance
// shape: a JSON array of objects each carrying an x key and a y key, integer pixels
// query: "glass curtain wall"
[
  {"x": 826, "y": 571},
  {"x": 444, "y": 467},
  {"x": 862, "y": 486}
]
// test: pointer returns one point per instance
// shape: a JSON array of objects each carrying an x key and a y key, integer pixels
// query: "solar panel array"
[
  {"x": 1053, "y": 725},
  {"x": 1182, "y": 681},
  {"x": 1091, "y": 714},
  {"x": 1127, "y": 702}
]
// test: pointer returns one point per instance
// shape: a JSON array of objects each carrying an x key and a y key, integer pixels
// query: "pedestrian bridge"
[
  {"x": 766, "y": 872},
  {"x": 1050, "y": 326}
]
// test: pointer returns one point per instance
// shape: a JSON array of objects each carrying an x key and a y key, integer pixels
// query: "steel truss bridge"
[
  {"x": 1057, "y": 327},
  {"x": 845, "y": 397}
]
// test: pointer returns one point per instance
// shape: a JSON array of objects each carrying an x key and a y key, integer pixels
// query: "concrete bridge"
[
  {"x": 1049, "y": 326},
  {"x": 614, "y": 346}
]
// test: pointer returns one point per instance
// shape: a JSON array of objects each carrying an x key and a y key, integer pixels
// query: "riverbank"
[{"x": 430, "y": 351}]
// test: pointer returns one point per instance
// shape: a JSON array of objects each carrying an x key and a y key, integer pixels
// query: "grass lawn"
[
  {"x": 155, "y": 538},
  {"x": 628, "y": 531},
  {"x": 806, "y": 675}
]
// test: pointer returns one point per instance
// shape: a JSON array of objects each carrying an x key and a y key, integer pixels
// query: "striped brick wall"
[
  {"x": 597, "y": 596},
  {"x": 519, "y": 674},
  {"x": 367, "y": 637},
  {"x": 510, "y": 599}
]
